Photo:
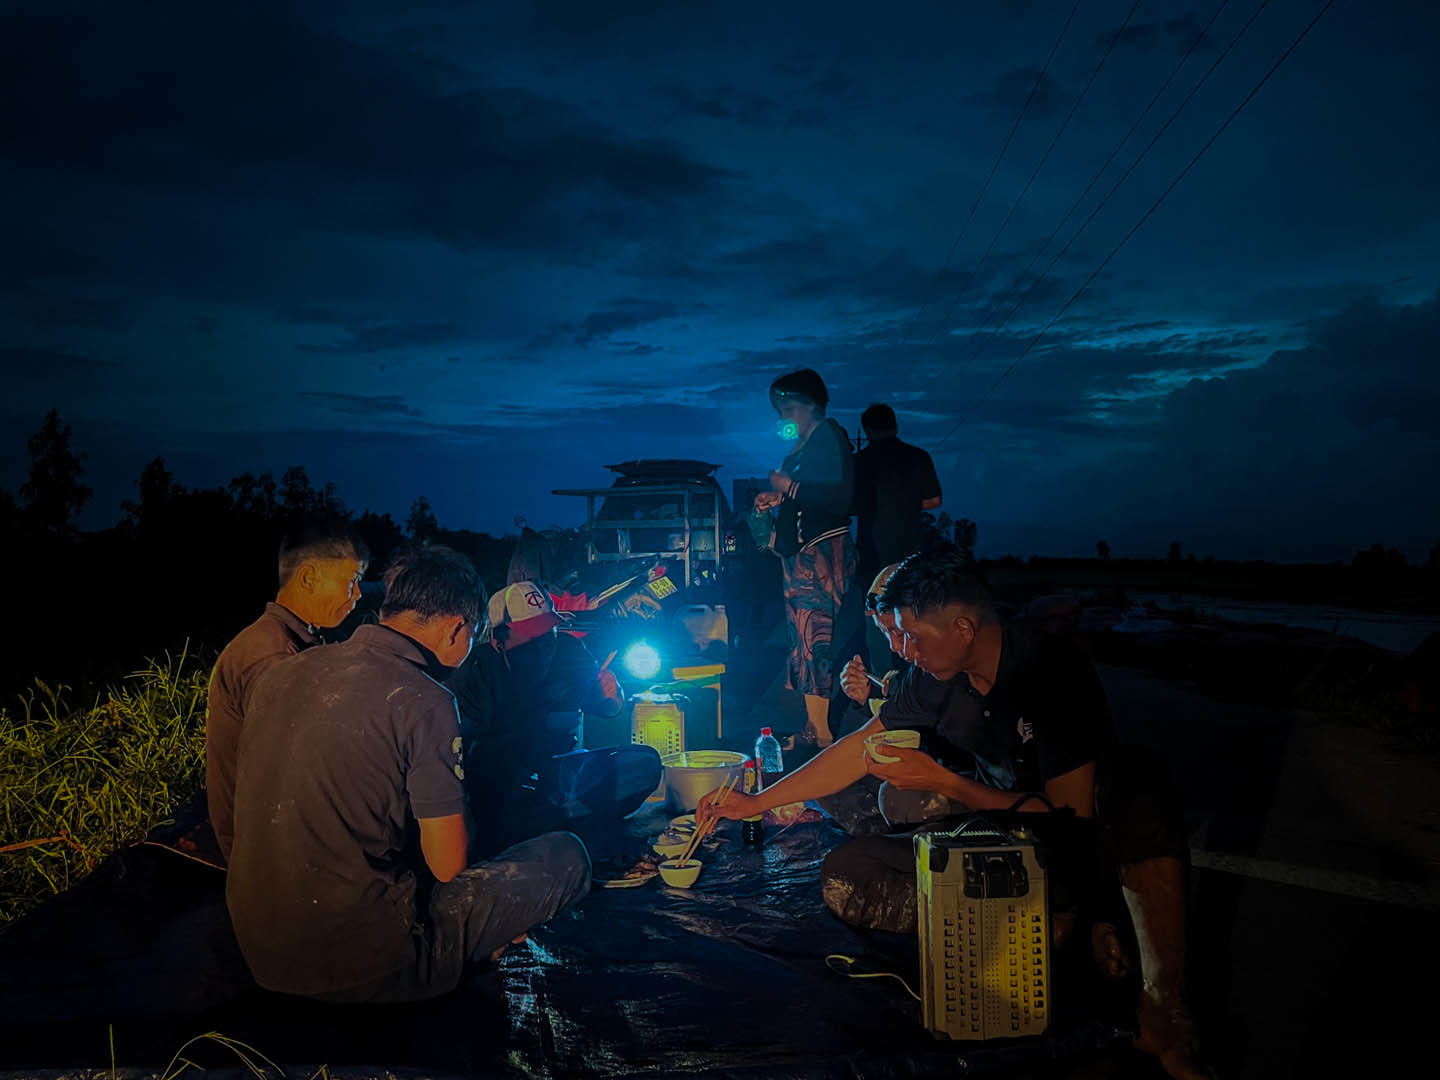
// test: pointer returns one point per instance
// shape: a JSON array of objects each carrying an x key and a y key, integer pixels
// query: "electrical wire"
[
  {"x": 1080, "y": 199},
  {"x": 930, "y": 293},
  {"x": 848, "y": 961},
  {"x": 1153, "y": 207},
  {"x": 985, "y": 342},
  {"x": 1114, "y": 40}
]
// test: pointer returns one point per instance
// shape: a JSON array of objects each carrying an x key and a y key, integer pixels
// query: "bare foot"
[
  {"x": 494, "y": 956},
  {"x": 1109, "y": 954},
  {"x": 1168, "y": 1033}
]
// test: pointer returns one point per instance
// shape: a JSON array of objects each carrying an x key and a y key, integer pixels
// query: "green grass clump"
[{"x": 78, "y": 783}]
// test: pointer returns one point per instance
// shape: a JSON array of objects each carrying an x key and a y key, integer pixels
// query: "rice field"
[{"x": 79, "y": 782}]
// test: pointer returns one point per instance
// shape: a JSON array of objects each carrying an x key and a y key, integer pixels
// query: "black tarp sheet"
[{"x": 725, "y": 979}]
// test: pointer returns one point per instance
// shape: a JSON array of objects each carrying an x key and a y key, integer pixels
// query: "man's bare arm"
[
  {"x": 833, "y": 769},
  {"x": 444, "y": 841}
]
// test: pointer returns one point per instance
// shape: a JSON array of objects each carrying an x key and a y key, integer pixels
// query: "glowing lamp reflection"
[{"x": 642, "y": 661}]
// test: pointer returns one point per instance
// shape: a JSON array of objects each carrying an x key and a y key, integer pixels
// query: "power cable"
[
  {"x": 1114, "y": 40},
  {"x": 1153, "y": 207},
  {"x": 1020, "y": 278},
  {"x": 849, "y": 962},
  {"x": 982, "y": 345},
  {"x": 930, "y": 293}
]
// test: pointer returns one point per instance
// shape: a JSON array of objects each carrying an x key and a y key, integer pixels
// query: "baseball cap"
[{"x": 525, "y": 611}]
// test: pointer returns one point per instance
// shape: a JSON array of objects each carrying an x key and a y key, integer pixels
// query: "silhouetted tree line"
[
  {"x": 193, "y": 565},
  {"x": 184, "y": 565}
]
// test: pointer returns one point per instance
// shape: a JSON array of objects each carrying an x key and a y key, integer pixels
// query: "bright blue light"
[
  {"x": 788, "y": 430},
  {"x": 642, "y": 661}
]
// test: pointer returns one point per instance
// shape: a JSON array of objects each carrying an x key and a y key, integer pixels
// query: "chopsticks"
[{"x": 705, "y": 830}]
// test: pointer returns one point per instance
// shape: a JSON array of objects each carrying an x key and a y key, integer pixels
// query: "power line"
[
  {"x": 1153, "y": 207},
  {"x": 984, "y": 343},
  {"x": 1101, "y": 171},
  {"x": 930, "y": 293},
  {"x": 1114, "y": 40}
]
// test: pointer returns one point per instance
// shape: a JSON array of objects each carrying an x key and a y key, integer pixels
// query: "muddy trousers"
[
  {"x": 481, "y": 909},
  {"x": 870, "y": 881}
]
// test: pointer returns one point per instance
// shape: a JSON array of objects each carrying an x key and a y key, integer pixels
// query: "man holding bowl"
[{"x": 1007, "y": 711}]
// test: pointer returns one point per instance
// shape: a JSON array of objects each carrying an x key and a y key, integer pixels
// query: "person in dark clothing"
[
  {"x": 522, "y": 700},
  {"x": 810, "y": 501},
  {"x": 349, "y": 753},
  {"x": 321, "y": 565},
  {"x": 895, "y": 483},
  {"x": 1005, "y": 710}
]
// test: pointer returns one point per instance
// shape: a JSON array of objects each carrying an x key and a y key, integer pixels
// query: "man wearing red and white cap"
[{"x": 521, "y": 702}]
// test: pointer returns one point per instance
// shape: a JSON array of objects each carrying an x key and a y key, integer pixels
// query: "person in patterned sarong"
[{"x": 810, "y": 500}]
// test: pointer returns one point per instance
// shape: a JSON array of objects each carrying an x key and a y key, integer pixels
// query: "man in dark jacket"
[{"x": 522, "y": 700}]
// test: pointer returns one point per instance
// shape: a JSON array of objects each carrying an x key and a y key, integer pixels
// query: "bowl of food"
[
  {"x": 691, "y": 774},
  {"x": 680, "y": 875},
  {"x": 683, "y": 823},
  {"x": 875, "y": 744},
  {"x": 672, "y": 842}
]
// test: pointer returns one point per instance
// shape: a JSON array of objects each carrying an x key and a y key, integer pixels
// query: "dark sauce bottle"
[{"x": 752, "y": 829}]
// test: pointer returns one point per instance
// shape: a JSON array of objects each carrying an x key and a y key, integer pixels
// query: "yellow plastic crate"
[{"x": 658, "y": 721}]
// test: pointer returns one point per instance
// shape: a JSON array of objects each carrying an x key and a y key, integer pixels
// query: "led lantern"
[{"x": 642, "y": 661}]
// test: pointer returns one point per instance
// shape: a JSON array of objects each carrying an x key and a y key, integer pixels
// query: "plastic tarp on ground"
[{"x": 726, "y": 979}]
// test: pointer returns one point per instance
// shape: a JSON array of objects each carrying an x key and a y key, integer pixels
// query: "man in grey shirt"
[
  {"x": 348, "y": 752},
  {"x": 321, "y": 565}
]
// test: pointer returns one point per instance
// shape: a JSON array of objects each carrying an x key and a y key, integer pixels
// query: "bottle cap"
[{"x": 764, "y": 731}]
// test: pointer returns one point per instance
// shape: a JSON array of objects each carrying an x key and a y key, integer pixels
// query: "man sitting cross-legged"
[
  {"x": 347, "y": 753},
  {"x": 1005, "y": 711}
]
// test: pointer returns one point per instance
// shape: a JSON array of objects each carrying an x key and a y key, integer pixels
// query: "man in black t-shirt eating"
[{"x": 1003, "y": 711}]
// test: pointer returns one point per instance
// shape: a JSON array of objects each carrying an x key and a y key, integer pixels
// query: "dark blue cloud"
[
  {"x": 406, "y": 244},
  {"x": 362, "y": 404},
  {"x": 20, "y": 360}
]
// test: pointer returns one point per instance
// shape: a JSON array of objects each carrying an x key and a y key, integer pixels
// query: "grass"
[{"x": 78, "y": 783}]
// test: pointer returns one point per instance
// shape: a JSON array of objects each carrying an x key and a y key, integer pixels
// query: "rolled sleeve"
[{"x": 435, "y": 779}]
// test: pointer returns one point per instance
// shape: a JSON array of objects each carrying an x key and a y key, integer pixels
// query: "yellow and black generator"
[{"x": 984, "y": 931}]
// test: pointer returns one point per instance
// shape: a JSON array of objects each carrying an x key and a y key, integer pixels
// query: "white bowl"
[
  {"x": 670, "y": 848},
  {"x": 693, "y": 773},
  {"x": 677, "y": 876},
  {"x": 904, "y": 737},
  {"x": 683, "y": 823}
]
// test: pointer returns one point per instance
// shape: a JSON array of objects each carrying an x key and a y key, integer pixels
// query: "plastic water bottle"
[
  {"x": 767, "y": 754},
  {"x": 752, "y": 829}
]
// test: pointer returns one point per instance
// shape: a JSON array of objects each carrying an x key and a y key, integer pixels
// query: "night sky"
[{"x": 477, "y": 251}]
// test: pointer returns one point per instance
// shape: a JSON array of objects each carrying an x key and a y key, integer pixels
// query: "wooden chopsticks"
[{"x": 705, "y": 830}]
